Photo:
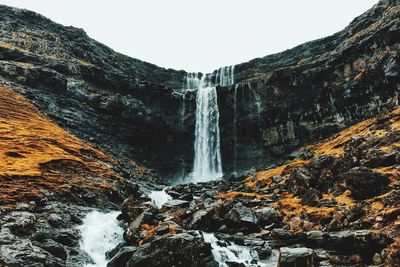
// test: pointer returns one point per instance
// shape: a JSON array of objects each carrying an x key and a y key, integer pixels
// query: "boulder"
[
  {"x": 242, "y": 215},
  {"x": 320, "y": 162},
  {"x": 267, "y": 216},
  {"x": 376, "y": 158},
  {"x": 311, "y": 197},
  {"x": 184, "y": 249},
  {"x": 122, "y": 257},
  {"x": 365, "y": 182},
  {"x": 292, "y": 257}
]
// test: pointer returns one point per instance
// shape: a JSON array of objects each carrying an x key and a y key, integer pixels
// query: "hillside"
[
  {"x": 39, "y": 160},
  {"x": 135, "y": 110}
]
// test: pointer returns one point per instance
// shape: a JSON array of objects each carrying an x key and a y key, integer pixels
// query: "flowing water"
[
  {"x": 159, "y": 198},
  {"x": 207, "y": 159},
  {"x": 225, "y": 76},
  {"x": 207, "y": 164},
  {"x": 225, "y": 252},
  {"x": 100, "y": 233}
]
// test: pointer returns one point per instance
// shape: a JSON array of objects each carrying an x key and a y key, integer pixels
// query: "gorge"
[{"x": 289, "y": 159}]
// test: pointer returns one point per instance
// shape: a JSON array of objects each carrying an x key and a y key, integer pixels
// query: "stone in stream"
[
  {"x": 184, "y": 249},
  {"x": 122, "y": 257},
  {"x": 294, "y": 257}
]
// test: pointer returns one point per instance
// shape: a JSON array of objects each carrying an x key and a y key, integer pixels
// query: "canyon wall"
[{"x": 137, "y": 111}]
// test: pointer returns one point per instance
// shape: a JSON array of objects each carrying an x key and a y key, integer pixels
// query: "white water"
[
  {"x": 207, "y": 159},
  {"x": 159, "y": 198},
  {"x": 100, "y": 233},
  {"x": 207, "y": 164},
  {"x": 226, "y": 75},
  {"x": 192, "y": 80},
  {"x": 231, "y": 252}
]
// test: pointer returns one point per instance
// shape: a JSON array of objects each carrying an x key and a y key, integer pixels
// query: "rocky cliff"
[
  {"x": 136, "y": 111},
  {"x": 48, "y": 179}
]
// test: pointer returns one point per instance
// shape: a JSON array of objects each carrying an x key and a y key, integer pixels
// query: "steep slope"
[
  {"x": 41, "y": 162},
  {"x": 135, "y": 110},
  {"x": 347, "y": 182},
  {"x": 49, "y": 180}
]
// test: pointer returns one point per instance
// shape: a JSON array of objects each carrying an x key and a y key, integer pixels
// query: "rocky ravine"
[
  {"x": 336, "y": 203},
  {"x": 132, "y": 109},
  {"x": 334, "y": 194}
]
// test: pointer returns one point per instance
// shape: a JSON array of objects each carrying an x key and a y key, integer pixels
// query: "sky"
[{"x": 200, "y": 35}]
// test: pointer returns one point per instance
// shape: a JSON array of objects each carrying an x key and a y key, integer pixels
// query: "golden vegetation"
[{"x": 39, "y": 159}]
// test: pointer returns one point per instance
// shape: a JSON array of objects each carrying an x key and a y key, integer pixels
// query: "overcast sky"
[{"x": 200, "y": 35}]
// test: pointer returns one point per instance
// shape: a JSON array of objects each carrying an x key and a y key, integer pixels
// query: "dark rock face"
[
  {"x": 312, "y": 90},
  {"x": 278, "y": 102},
  {"x": 177, "y": 250},
  {"x": 42, "y": 236}
]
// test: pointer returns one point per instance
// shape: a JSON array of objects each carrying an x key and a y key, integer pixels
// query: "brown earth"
[{"x": 39, "y": 160}]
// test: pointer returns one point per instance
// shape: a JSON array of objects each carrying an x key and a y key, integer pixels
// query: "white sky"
[{"x": 200, "y": 35}]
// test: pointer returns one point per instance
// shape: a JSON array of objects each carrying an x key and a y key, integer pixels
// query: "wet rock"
[
  {"x": 143, "y": 218},
  {"x": 176, "y": 203},
  {"x": 55, "y": 220},
  {"x": 242, "y": 215},
  {"x": 267, "y": 216},
  {"x": 314, "y": 235},
  {"x": 292, "y": 257},
  {"x": 112, "y": 252},
  {"x": 21, "y": 223},
  {"x": 202, "y": 219},
  {"x": 168, "y": 227},
  {"x": 122, "y": 257},
  {"x": 173, "y": 250},
  {"x": 364, "y": 182},
  {"x": 54, "y": 248},
  {"x": 68, "y": 237},
  {"x": 23, "y": 253},
  {"x": 280, "y": 233}
]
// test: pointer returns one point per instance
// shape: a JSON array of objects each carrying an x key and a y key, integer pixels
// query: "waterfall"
[
  {"x": 192, "y": 80},
  {"x": 183, "y": 111},
  {"x": 207, "y": 159},
  {"x": 100, "y": 233},
  {"x": 207, "y": 164},
  {"x": 225, "y": 75},
  {"x": 235, "y": 127}
]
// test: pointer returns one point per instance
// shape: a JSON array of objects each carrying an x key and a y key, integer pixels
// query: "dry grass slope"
[{"x": 40, "y": 160}]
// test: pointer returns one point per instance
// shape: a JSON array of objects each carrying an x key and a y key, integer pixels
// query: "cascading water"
[
  {"x": 207, "y": 164},
  {"x": 207, "y": 159},
  {"x": 225, "y": 76},
  {"x": 225, "y": 252},
  {"x": 235, "y": 127},
  {"x": 159, "y": 198},
  {"x": 100, "y": 233}
]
